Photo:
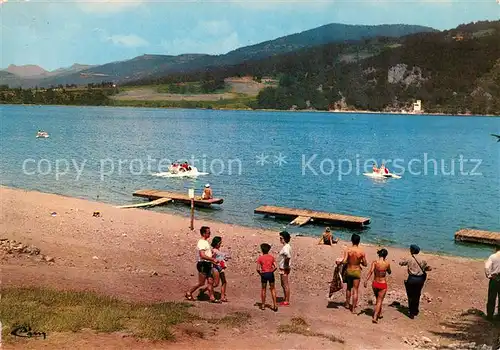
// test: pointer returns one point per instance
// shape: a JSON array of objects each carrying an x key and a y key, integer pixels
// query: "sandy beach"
[{"x": 141, "y": 255}]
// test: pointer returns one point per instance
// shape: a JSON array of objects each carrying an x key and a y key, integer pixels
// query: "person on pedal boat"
[{"x": 383, "y": 169}]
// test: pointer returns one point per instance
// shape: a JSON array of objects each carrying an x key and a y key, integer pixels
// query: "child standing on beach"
[
  {"x": 266, "y": 265},
  {"x": 219, "y": 274},
  {"x": 284, "y": 266}
]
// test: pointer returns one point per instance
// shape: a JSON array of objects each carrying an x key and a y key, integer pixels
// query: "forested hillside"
[{"x": 454, "y": 71}]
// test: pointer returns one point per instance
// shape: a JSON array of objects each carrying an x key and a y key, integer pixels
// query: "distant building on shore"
[{"x": 417, "y": 106}]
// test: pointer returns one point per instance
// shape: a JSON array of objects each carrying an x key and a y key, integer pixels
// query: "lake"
[{"x": 449, "y": 165}]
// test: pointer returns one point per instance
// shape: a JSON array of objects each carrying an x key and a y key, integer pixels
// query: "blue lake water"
[{"x": 107, "y": 147}]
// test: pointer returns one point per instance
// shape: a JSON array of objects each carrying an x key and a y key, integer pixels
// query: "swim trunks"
[
  {"x": 267, "y": 277},
  {"x": 351, "y": 276},
  {"x": 205, "y": 268}
]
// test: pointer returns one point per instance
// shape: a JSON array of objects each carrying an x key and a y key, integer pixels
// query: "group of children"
[
  {"x": 266, "y": 266},
  {"x": 211, "y": 265}
]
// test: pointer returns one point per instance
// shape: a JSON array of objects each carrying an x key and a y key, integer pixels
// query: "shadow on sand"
[
  {"x": 203, "y": 296},
  {"x": 335, "y": 305},
  {"x": 266, "y": 306},
  {"x": 401, "y": 308},
  {"x": 471, "y": 326},
  {"x": 368, "y": 311}
]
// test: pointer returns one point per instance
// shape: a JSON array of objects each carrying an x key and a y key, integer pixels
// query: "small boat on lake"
[
  {"x": 382, "y": 176},
  {"x": 181, "y": 170},
  {"x": 42, "y": 134}
]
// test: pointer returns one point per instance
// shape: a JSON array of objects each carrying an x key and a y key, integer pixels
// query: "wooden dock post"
[{"x": 191, "y": 195}]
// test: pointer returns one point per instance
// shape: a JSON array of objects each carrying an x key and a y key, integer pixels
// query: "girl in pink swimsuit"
[{"x": 379, "y": 269}]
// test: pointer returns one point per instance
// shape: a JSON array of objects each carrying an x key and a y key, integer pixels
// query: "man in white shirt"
[
  {"x": 492, "y": 271},
  {"x": 284, "y": 266},
  {"x": 204, "y": 264}
]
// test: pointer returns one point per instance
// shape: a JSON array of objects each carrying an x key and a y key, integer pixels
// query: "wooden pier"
[
  {"x": 478, "y": 236},
  {"x": 153, "y": 195},
  {"x": 303, "y": 216}
]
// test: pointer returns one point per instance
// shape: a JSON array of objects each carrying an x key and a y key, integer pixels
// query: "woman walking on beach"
[
  {"x": 417, "y": 275},
  {"x": 379, "y": 269},
  {"x": 204, "y": 265}
]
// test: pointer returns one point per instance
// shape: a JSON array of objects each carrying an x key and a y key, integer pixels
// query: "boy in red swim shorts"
[{"x": 266, "y": 265}]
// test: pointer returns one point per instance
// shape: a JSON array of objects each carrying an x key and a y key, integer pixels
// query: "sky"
[{"x": 58, "y": 33}]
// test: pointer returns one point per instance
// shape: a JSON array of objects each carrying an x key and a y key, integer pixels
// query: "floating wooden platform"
[
  {"x": 477, "y": 236},
  {"x": 154, "y": 203},
  {"x": 177, "y": 197},
  {"x": 303, "y": 216}
]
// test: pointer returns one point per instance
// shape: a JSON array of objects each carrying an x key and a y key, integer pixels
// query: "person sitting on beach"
[
  {"x": 204, "y": 265},
  {"x": 379, "y": 269},
  {"x": 266, "y": 265},
  {"x": 327, "y": 238},
  {"x": 354, "y": 257},
  {"x": 207, "y": 192}
]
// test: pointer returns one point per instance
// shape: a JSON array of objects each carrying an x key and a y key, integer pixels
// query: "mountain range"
[
  {"x": 452, "y": 71},
  {"x": 155, "y": 66}
]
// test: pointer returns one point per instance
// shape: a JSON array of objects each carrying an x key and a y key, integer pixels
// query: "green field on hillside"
[
  {"x": 236, "y": 103},
  {"x": 188, "y": 88}
]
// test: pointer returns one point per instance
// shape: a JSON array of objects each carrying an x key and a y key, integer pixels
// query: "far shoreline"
[
  {"x": 312, "y": 238},
  {"x": 266, "y": 110}
]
